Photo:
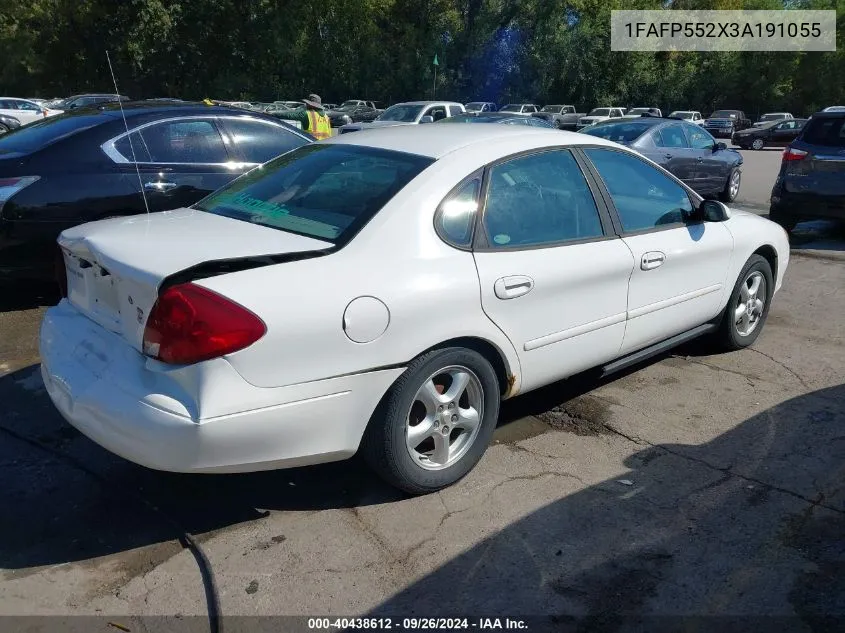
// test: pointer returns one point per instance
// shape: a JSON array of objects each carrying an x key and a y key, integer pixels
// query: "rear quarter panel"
[{"x": 430, "y": 289}]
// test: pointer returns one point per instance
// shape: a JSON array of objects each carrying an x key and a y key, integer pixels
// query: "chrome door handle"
[
  {"x": 652, "y": 260},
  {"x": 513, "y": 286},
  {"x": 160, "y": 186}
]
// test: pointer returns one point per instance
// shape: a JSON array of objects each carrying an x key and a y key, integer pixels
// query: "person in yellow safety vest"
[{"x": 313, "y": 119}]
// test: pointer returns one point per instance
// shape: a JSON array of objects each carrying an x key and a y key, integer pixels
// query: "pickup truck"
[
  {"x": 726, "y": 122},
  {"x": 635, "y": 113},
  {"x": 409, "y": 113},
  {"x": 353, "y": 111},
  {"x": 597, "y": 115},
  {"x": 563, "y": 117}
]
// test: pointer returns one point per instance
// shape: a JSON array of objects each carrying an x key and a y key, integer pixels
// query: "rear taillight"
[
  {"x": 10, "y": 186},
  {"x": 791, "y": 154},
  {"x": 189, "y": 323}
]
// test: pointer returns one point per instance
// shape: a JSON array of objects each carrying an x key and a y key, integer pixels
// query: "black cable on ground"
[{"x": 184, "y": 537}]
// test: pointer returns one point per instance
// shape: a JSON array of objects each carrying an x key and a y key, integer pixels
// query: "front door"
[
  {"x": 784, "y": 133},
  {"x": 712, "y": 164},
  {"x": 553, "y": 276},
  {"x": 680, "y": 265}
]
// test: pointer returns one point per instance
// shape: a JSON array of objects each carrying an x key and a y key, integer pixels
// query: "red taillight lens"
[
  {"x": 189, "y": 323},
  {"x": 790, "y": 154}
]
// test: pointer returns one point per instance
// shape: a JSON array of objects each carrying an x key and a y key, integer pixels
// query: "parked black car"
[
  {"x": 8, "y": 123},
  {"x": 723, "y": 123},
  {"x": 80, "y": 166},
  {"x": 771, "y": 133},
  {"x": 811, "y": 181},
  {"x": 80, "y": 101},
  {"x": 705, "y": 165}
]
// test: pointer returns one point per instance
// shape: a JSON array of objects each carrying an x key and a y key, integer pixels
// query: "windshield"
[
  {"x": 640, "y": 111},
  {"x": 551, "y": 108},
  {"x": 619, "y": 132},
  {"x": 322, "y": 191},
  {"x": 43, "y": 132},
  {"x": 511, "y": 107},
  {"x": 681, "y": 114},
  {"x": 723, "y": 114},
  {"x": 400, "y": 112},
  {"x": 772, "y": 117},
  {"x": 600, "y": 112},
  {"x": 348, "y": 104},
  {"x": 474, "y": 107}
]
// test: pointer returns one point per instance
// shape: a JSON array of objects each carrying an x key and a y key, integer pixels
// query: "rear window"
[
  {"x": 323, "y": 191},
  {"x": 822, "y": 131},
  {"x": 34, "y": 136},
  {"x": 620, "y": 132}
]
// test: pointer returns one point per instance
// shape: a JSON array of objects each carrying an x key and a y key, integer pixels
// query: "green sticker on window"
[{"x": 501, "y": 238}]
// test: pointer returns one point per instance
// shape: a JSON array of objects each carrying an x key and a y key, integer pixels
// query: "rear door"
[
  {"x": 680, "y": 264},
  {"x": 180, "y": 160},
  {"x": 553, "y": 275},
  {"x": 673, "y": 153}
]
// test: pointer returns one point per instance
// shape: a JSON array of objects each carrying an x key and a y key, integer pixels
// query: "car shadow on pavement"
[
  {"x": 818, "y": 235},
  {"x": 751, "y": 522},
  {"x": 695, "y": 517}
]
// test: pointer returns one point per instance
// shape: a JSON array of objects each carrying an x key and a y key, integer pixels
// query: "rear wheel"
[
  {"x": 3, "y": 129},
  {"x": 757, "y": 144},
  {"x": 748, "y": 305},
  {"x": 731, "y": 190},
  {"x": 435, "y": 423}
]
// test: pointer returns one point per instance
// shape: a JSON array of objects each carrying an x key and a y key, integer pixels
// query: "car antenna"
[{"x": 128, "y": 135}]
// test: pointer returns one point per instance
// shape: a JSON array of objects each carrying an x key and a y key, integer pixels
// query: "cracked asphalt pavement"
[{"x": 696, "y": 484}]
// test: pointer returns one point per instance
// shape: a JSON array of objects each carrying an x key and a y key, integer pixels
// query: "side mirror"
[
  {"x": 427, "y": 119},
  {"x": 719, "y": 146},
  {"x": 713, "y": 211}
]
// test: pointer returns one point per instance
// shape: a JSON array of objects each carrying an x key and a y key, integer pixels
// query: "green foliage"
[{"x": 499, "y": 50}]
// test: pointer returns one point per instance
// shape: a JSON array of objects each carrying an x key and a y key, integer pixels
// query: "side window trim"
[
  {"x": 694, "y": 198},
  {"x": 109, "y": 149},
  {"x": 480, "y": 243},
  {"x": 478, "y": 174}
]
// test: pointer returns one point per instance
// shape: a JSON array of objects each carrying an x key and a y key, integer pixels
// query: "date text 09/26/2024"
[{"x": 416, "y": 624}]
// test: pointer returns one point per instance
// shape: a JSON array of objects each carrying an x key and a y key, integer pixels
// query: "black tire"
[
  {"x": 728, "y": 336},
  {"x": 383, "y": 446},
  {"x": 758, "y": 142},
  {"x": 726, "y": 195},
  {"x": 3, "y": 129}
]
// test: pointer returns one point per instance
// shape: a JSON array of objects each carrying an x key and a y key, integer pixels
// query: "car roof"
[
  {"x": 428, "y": 103},
  {"x": 436, "y": 141},
  {"x": 176, "y": 108},
  {"x": 829, "y": 114}
]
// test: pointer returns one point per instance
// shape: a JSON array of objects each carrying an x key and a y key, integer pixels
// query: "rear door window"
[
  {"x": 259, "y": 142},
  {"x": 827, "y": 131},
  {"x": 193, "y": 141}
]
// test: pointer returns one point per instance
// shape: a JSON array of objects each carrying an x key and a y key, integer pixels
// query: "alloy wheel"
[
  {"x": 733, "y": 187},
  {"x": 445, "y": 417},
  {"x": 750, "y": 303},
  {"x": 757, "y": 144}
]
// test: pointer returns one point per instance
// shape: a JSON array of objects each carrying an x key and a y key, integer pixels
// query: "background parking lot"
[{"x": 697, "y": 483}]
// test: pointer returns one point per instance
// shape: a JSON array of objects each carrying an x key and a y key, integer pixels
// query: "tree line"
[{"x": 542, "y": 51}]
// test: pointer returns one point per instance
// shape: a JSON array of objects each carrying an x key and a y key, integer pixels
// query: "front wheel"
[
  {"x": 435, "y": 422},
  {"x": 748, "y": 305},
  {"x": 757, "y": 144},
  {"x": 3, "y": 129},
  {"x": 731, "y": 190}
]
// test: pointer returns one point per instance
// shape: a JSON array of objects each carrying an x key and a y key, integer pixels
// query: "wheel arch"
[
  {"x": 508, "y": 380},
  {"x": 770, "y": 254}
]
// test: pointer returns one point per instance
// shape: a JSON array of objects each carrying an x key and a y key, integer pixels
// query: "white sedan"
[
  {"x": 24, "y": 110},
  {"x": 383, "y": 292}
]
